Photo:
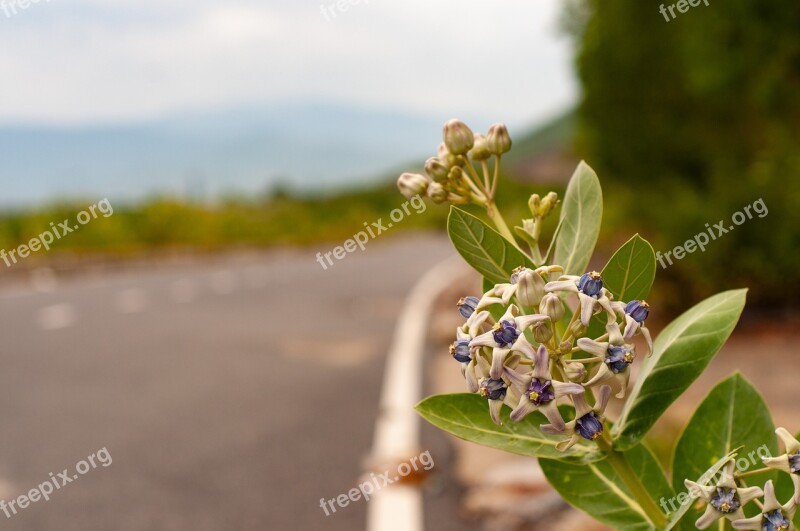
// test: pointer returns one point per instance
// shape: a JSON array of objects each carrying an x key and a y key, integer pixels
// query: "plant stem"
[
  {"x": 753, "y": 472},
  {"x": 621, "y": 466},
  {"x": 499, "y": 222}
]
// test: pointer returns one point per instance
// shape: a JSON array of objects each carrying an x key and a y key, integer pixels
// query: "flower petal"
[
  {"x": 792, "y": 444},
  {"x": 748, "y": 523},
  {"x": 587, "y": 308},
  {"x": 602, "y": 399},
  {"x": 561, "y": 389},
  {"x": 563, "y": 446},
  {"x": 498, "y": 359},
  {"x": 614, "y": 335},
  {"x": 541, "y": 364},
  {"x": 771, "y": 502},
  {"x": 778, "y": 463},
  {"x": 592, "y": 347},
  {"x": 602, "y": 375},
  {"x": 494, "y": 411},
  {"x": 647, "y": 339},
  {"x": 483, "y": 340},
  {"x": 708, "y": 519},
  {"x": 523, "y": 409},
  {"x": 562, "y": 285},
  {"x": 550, "y": 410}
]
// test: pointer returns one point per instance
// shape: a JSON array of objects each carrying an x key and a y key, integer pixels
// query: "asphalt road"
[{"x": 229, "y": 395}]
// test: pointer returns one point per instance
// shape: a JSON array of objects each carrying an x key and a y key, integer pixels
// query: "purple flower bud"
[
  {"x": 467, "y": 305},
  {"x": 618, "y": 359},
  {"x": 726, "y": 500},
  {"x": 589, "y": 426},
  {"x": 775, "y": 521},
  {"x": 590, "y": 284},
  {"x": 505, "y": 333},
  {"x": 794, "y": 463},
  {"x": 460, "y": 351},
  {"x": 492, "y": 389},
  {"x": 638, "y": 310}
]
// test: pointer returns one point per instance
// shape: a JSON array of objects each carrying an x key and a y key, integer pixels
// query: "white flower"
[
  {"x": 788, "y": 462},
  {"x": 591, "y": 293},
  {"x": 617, "y": 359},
  {"x": 507, "y": 336},
  {"x": 725, "y": 499},
  {"x": 773, "y": 516},
  {"x": 539, "y": 391}
]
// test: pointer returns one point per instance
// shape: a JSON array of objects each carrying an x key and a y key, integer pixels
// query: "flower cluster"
[
  {"x": 450, "y": 176},
  {"x": 526, "y": 360},
  {"x": 728, "y": 496}
]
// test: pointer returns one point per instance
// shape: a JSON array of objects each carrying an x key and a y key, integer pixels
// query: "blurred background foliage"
[
  {"x": 690, "y": 120},
  {"x": 686, "y": 122}
]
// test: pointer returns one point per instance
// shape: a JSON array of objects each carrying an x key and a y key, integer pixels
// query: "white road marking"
[
  {"x": 131, "y": 300},
  {"x": 57, "y": 316},
  {"x": 399, "y": 507},
  {"x": 224, "y": 282},
  {"x": 183, "y": 291}
]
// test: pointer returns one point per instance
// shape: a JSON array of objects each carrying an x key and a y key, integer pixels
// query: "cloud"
[{"x": 89, "y": 61}]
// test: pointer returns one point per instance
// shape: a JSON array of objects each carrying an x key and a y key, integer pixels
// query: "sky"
[{"x": 68, "y": 62}]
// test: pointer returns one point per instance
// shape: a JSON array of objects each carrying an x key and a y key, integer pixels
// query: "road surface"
[{"x": 232, "y": 394}]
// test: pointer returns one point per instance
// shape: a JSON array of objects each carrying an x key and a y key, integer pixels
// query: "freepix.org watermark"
[
  {"x": 374, "y": 229},
  {"x": 12, "y": 7},
  {"x": 332, "y": 10},
  {"x": 377, "y": 482},
  {"x": 742, "y": 465},
  {"x": 55, "y": 482},
  {"x": 56, "y": 232},
  {"x": 702, "y": 239}
]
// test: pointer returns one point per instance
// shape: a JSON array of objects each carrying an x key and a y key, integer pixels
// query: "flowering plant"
[{"x": 548, "y": 343}]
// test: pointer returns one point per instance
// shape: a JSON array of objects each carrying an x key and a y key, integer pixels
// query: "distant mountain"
[{"x": 204, "y": 155}]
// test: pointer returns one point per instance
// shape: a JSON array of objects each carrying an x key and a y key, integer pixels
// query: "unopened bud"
[
  {"x": 548, "y": 204},
  {"x": 480, "y": 151},
  {"x": 576, "y": 372},
  {"x": 458, "y": 138},
  {"x": 534, "y": 203},
  {"x": 449, "y": 159},
  {"x": 435, "y": 169},
  {"x": 498, "y": 140},
  {"x": 437, "y": 193},
  {"x": 530, "y": 287},
  {"x": 577, "y": 329},
  {"x": 552, "y": 307},
  {"x": 412, "y": 184},
  {"x": 542, "y": 331}
]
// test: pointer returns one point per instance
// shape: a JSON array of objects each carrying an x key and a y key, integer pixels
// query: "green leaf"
[
  {"x": 629, "y": 274},
  {"x": 732, "y": 416},
  {"x": 467, "y": 416},
  {"x": 581, "y": 215},
  {"x": 598, "y": 490},
  {"x": 705, "y": 479},
  {"x": 483, "y": 248},
  {"x": 680, "y": 354}
]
